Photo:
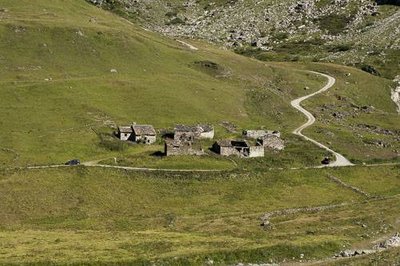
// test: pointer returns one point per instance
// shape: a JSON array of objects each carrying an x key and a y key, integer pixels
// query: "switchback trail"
[{"x": 340, "y": 159}]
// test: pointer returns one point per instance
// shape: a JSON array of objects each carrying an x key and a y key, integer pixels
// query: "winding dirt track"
[{"x": 340, "y": 159}]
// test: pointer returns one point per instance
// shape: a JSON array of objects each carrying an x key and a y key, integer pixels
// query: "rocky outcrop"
[
  {"x": 343, "y": 31},
  {"x": 259, "y": 24},
  {"x": 353, "y": 253},
  {"x": 396, "y": 93},
  {"x": 392, "y": 242}
]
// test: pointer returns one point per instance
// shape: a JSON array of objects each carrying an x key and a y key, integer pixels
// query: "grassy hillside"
[
  {"x": 83, "y": 215},
  {"x": 62, "y": 99},
  {"x": 59, "y": 96},
  {"x": 71, "y": 72},
  {"x": 357, "y": 117}
]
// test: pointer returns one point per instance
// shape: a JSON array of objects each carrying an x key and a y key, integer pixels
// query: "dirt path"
[
  {"x": 128, "y": 168},
  {"x": 191, "y": 47},
  {"x": 340, "y": 159}
]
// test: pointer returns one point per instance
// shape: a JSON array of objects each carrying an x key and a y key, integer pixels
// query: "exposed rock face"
[
  {"x": 392, "y": 242},
  {"x": 258, "y": 23},
  {"x": 396, "y": 93}
]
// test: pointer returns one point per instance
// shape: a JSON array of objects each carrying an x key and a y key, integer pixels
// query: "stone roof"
[
  {"x": 260, "y": 133},
  {"x": 193, "y": 129},
  {"x": 177, "y": 143},
  {"x": 206, "y": 128},
  {"x": 144, "y": 130},
  {"x": 172, "y": 143},
  {"x": 184, "y": 128},
  {"x": 125, "y": 129}
]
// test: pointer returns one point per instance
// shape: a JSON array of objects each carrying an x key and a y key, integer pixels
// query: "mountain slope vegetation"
[{"x": 71, "y": 72}]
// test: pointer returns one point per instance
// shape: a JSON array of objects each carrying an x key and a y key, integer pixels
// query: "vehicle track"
[{"x": 340, "y": 161}]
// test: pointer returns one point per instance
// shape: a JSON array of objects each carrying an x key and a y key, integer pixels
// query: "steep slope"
[{"x": 356, "y": 33}]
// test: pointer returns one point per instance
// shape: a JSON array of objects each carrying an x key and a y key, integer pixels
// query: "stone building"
[
  {"x": 191, "y": 133},
  {"x": 137, "y": 133},
  {"x": 266, "y": 138},
  {"x": 256, "y": 134},
  {"x": 125, "y": 132},
  {"x": 272, "y": 142},
  {"x": 240, "y": 148},
  {"x": 206, "y": 131},
  {"x": 144, "y": 134},
  {"x": 174, "y": 147}
]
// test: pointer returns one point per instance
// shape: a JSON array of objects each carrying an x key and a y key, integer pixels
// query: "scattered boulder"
[
  {"x": 353, "y": 253},
  {"x": 392, "y": 242}
]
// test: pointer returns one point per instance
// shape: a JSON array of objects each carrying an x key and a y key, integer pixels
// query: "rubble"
[{"x": 392, "y": 242}]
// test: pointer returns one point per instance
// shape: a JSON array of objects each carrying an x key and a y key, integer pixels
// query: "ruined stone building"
[
  {"x": 174, "y": 147},
  {"x": 272, "y": 142},
  {"x": 145, "y": 134},
  {"x": 266, "y": 138},
  {"x": 256, "y": 134},
  {"x": 191, "y": 133},
  {"x": 240, "y": 148}
]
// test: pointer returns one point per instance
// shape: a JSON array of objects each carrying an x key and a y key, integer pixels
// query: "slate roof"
[
  {"x": 184, "y": 128},
  {"x": 125, "y": 129},
  {"x": 206, "y": 128},
  {"x": 194, "y": 129},
  {"x": 144, "y": 130}
]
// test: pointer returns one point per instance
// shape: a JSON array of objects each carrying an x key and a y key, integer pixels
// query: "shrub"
[{"x": 370, "y": 69}]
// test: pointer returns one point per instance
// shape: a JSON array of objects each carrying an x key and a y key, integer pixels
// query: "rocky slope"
[
  {"x": 396, "y": 93},
  {"x": 362, "y": 33}
]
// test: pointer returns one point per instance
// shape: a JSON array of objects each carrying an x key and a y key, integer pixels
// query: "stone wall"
[
  {"x": 273, "y": 142},
  {"x": 146, "y": 139},
  {"x": 124, "y": 136},
  {"x": 256, "y": 151}
]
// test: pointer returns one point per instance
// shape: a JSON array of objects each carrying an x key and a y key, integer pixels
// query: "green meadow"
[
  {"x": 60, "y": 99},
  {"x": 89, "y": 215},
  {"x": 71, "y": 72}
]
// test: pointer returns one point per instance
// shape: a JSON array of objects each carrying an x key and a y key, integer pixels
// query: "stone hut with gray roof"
[
  {"x": 124, "y": 132},
  {"x": 144, "y": 134}
]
